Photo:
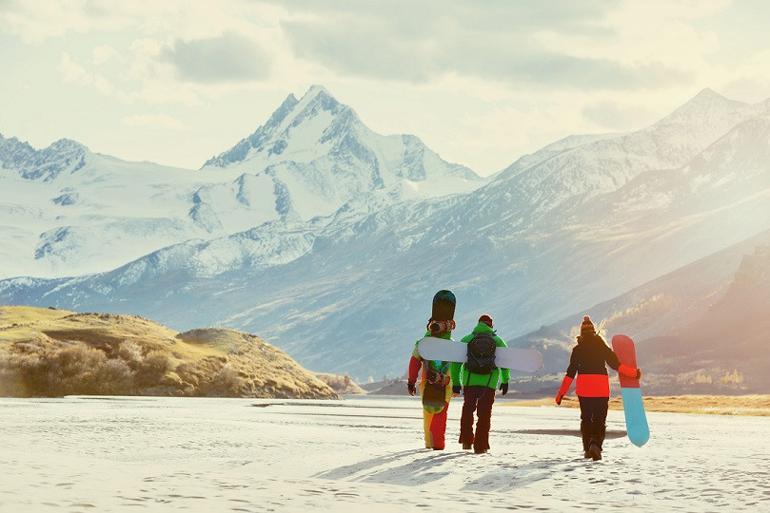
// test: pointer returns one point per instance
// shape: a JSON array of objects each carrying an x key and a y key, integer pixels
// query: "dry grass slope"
[
  {"x": 754, "y": 405},
  {"x": 46, "y": 352}
]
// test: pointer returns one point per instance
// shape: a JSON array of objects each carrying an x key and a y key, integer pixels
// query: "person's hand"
[
  {"x": 504, "y": 388},
  {"x": 411, "y": 388},
  {"x": 638, "y": 373},
  {"x": 559, "y": 397},
  {"x": 456, "y": 390}
]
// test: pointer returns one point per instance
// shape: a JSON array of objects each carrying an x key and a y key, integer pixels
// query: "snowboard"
[
  {"x": 514, "y": 358},
  {"x": 633, "y": 404},
  {"x": 434, "y": 395},
  {"x": 443, "y": 312}
]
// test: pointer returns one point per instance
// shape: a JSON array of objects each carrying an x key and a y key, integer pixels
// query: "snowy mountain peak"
[
  {"x": 315, "y": 90},
  {"x": 12, "y": 149},
  {"x": 707, "y": 95},
  {"x": 311, "y": 157},
  {"x": 67, "y": 145},
  {"x": 271, "y": 139},
  {"x": 64, "y": 155},
  {"x": 283, "y": 110},
  {"x": 315, "y": 95},
  {"x": 706, "y": 105},
  {"x": 320, "y": 131}
]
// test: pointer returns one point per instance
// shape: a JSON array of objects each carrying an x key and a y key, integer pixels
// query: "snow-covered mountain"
[
  {"x": 67, "y": 211},
  {"x": 577, "y": 223},
  {"x": 63, "y": 156},
  {"x": 315, "y": 154}
]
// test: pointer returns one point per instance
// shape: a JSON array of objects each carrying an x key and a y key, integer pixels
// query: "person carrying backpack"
[
  {"x": 435, "y": 388},
  {"x": 478, "y": 378},
  {"x": 588, "y": 361}
]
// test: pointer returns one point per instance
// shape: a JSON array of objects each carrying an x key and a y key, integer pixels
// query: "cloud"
[
  {"x": 153, "y": 121},
  {"x": 609, "y": 115},
  {"x": 229, "y": 57},
  {"x": 73, "y": 72},
  {"x": 514, "y": 42},
  {"x": 35, "y": 22},
  {"x": 102, "y": 54}
]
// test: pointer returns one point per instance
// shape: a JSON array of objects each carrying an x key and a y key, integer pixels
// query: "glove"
[
  {"x": 411, "y": 388},
  {"x": 457, "y": 389},
  {"x": 629, "y": 372},
  {"x": 504, "y": 388}
]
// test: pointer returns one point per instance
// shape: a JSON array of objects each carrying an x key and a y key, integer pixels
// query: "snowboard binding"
[{"x": 436, "y": 327}]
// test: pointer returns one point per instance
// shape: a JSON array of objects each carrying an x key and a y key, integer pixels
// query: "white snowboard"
[{"x": 514, "y": 358}]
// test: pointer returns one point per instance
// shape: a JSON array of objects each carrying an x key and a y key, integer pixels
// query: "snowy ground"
[{"x": 361, "y": 455}]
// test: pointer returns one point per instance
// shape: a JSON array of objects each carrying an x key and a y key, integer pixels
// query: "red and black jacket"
[{"x": 588, "y": 361}]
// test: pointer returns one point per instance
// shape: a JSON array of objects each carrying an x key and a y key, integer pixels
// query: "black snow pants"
[
  {"x": 477, "y": 399},
  {"x": 593, "y": 417}
]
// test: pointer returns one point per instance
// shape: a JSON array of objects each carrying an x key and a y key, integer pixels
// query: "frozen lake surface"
[{"x": 361, "y": 455}]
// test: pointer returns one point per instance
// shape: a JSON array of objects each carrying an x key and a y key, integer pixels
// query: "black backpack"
[{"x": 481, "y": 354}]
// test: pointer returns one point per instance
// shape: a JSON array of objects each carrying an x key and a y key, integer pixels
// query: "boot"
[
  {"x": 597, "y": 438},
  {"x": 585, "y": 431},
  {"x": 467, "y": 446},
  {"x": 601, "y": 432},
  {"x": 594, "y": 451}
]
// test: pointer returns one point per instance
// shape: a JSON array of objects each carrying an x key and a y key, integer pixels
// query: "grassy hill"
[{"x": 48, "y": 352}]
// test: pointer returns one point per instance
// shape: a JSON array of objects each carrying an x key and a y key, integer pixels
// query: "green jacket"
[{"x": 472, "y": 379}]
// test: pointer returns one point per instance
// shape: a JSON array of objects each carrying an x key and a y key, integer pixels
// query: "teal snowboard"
[{"x": 633, "y": 404}]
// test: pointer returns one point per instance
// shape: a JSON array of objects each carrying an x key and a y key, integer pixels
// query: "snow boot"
[
  {"x": 601, "y": 432},
  {"x": 597, "y": 439},
  {"x": 585, "y": 431},
  {"x": 467, "y": 446},
  {"x": 594, "y": 451}
]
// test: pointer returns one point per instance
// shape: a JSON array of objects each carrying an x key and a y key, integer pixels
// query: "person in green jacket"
[{"x": 479, "y": 387}]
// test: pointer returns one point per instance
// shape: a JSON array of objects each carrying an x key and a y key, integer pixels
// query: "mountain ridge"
[
  {"x": 584, "y": 221},
  {"x": 77, "y": 212}
]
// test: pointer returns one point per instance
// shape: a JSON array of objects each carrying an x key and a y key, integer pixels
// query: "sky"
[{"x": 481, "y": 82}]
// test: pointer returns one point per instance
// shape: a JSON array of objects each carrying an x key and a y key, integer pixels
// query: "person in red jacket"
[
  {"x": 435, "y": 388},
  {"x": 588, "y": 360}
]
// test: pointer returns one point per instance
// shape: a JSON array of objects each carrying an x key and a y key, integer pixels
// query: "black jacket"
[{"x": 590, "y": 356}]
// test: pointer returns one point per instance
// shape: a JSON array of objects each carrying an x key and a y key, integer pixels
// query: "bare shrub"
[
  {"x": 10, "y": 378},
  {"x": 114, "y": 377},
  {"x": 131, "y": 353},
  {"x": 189, "y": 373},
  {"x": 72, "y": 370},
  {"x": 153, "y": 368},
  {"x": 225, "y": 383}
]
